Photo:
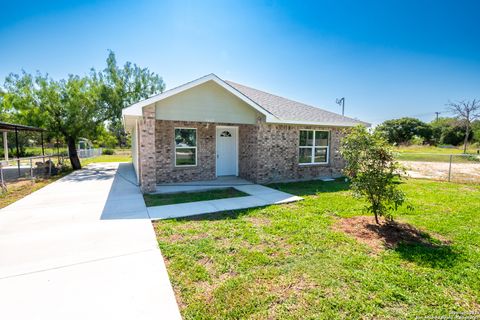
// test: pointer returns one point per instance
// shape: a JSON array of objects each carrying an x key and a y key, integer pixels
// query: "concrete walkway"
[
  {"x": 258, "y": 196},
  {"x": 83, "y": 248}
]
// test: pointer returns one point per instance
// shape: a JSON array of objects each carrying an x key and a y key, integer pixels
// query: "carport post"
[
  {"x": 58, "y": 151},
  {"x": 5, "y": 145},
  {"x": 43, "y": 149},
  {"x": 31, "y": 168},
  {"x": 18, "y": 151}
]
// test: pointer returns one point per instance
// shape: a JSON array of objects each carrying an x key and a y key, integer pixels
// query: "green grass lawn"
[
  {"x": 152, "y": 200},
  {"x": 436, "y": 154},
  {"x": 288, "y": 262},
  {"x": 457, "y": 158},
  {"x": 434, "y": 149},
  {"x": 107, "y": 158}
]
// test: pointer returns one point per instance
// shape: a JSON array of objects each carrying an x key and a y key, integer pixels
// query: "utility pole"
[
  {"x": 341, "y": 102},
  {"x": 437, "y": 113}
]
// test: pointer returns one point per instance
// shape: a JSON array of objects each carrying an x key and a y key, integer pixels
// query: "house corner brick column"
[{"x": 147, "y": 150}]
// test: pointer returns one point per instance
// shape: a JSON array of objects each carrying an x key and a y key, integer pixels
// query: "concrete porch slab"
[{"x": 220, "y": 182}]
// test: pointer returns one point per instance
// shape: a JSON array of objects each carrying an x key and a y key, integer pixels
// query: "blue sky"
[{"x": 387, "y": 58}]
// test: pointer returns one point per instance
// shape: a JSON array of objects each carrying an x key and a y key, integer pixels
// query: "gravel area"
[{"x": 460, "y": 172}]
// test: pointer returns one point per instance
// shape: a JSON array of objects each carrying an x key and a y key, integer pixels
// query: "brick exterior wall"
[
  {"x": 277, "y": 158},
  {"x": 247, "y": 152},
  {"x": 267, "y": 152},
  {"x": 146, "y": 139},
  {"x": 166, "y": 171}
]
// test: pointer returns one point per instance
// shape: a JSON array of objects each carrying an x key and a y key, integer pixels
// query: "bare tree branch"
[{"x": 466, "y": 111}]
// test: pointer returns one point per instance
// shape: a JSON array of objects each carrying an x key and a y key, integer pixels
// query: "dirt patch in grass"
[
  {"x": 386, "y": 235},
  {"x": 259, "y": 221}
]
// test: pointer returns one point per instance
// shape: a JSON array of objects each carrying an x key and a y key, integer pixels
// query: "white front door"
[{"x": 227, "y": 153}]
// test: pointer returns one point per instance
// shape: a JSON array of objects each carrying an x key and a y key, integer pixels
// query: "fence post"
[
  {"x": 450, "y": 168},
  {"x": 31, "y": 169},
  {"x": 49, "y": 166},
  {"x": 3, "y": 185}
]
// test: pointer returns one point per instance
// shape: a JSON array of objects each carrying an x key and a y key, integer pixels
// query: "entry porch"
[{"x": 204, "y": 154}]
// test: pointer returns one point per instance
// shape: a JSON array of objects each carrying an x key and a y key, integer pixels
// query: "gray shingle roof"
[{"x": 289, "y": 110}]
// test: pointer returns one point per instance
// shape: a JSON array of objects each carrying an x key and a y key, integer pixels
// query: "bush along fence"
[{"x": 463, "y": 168}]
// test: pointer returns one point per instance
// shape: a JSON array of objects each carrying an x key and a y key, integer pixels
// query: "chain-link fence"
[
  {"x": 19, "y": 170},
  {"x": 463, "y": 168},
  {"x": 89, "y": 153},
  {"x": 31, "y": 168}
]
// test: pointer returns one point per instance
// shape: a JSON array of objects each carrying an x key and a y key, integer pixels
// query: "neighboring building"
[{"x": 210, "y": 127}]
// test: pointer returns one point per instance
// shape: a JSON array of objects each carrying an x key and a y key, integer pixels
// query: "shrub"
[
  {"x": 417, "y": 140},
  {"x": 373, "y": 171},
  {"x": 108, "y": 152}
]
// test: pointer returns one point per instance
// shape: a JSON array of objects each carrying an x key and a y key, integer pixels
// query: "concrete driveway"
[{"x": 83, "y": 248}]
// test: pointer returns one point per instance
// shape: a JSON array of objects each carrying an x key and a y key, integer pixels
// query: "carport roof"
[{"x": 4, "y": 126}]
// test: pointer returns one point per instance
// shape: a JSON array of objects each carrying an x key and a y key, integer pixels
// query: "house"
[{"x": 209, "y": 128}]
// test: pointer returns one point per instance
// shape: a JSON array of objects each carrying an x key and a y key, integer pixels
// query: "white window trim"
[
  {"x": 313, "y": 147},
  {"x": 175, "y": 150}
]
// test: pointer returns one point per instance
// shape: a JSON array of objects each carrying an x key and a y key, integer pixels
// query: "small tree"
[
  {"x": 373, "y": 171},
  {"x": 466, "y": 112}
]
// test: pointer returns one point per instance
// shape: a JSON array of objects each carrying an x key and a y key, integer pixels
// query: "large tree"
[
  {"x": 447, "y": 131},
  {"x": 78, "y": 106},
  {"x": 70, "y": 108},
  {"x": 402, "y": 130},
  {"x": 123, "y": 86},
  {"x": 476, "y": 131},
  {"x": 466, "y": 112}
]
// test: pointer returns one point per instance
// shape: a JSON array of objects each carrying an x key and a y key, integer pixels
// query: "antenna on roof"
[{"x": 341, "y": 102}]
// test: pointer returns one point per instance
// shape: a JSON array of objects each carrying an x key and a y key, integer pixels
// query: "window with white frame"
[
  {"x": 313, "y": 147},
  {"x": 185, "y": 147}
]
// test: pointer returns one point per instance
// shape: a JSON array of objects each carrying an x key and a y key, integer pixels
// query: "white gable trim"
[{"x": 136, "y": 108}]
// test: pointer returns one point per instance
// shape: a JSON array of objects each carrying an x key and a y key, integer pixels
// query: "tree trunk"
[
  {"x": 72, "y": 154},
  {"x": 376, "y": 218},
  {"x": 467, "y": 132}
]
